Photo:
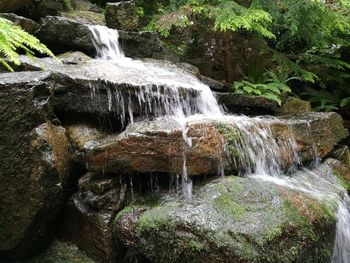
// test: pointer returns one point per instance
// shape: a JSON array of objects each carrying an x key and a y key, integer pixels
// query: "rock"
[
  {"x": 321, "y": 131},
  {"x": 342, "y": 154},
  {"x": 76, "y": 36},
  {"x": 341, "y": 170},
  {"x": 73, "y": 36},
  {"x": 73, "y": 58},
  {"x": 295, "y": 105},
  {"x": 60, "y": 252},
  {"x": 122, "y": 15},
  {"x": 48, "y": 8},
  {"x": 236, "y": 219},
  {"x": 80, "y": 134},
  {"x": 25, "y": 23},
  {"x": 139, "y": 44},
  {"x": 215, "y": 84},
  {"x": 13, "y": 5},
  {"x": 34, "y": 166},
  {"x": 158, "y": 146},
  {"x": 90, "y": 214},
  {"x": 253, "y": 105},
  {"x": 85, "y": 17}
]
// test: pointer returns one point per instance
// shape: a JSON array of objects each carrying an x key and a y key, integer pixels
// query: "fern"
[
  {"x": 13, "y": 38},
  {"x": 220, "y": 15},
  {"x": 271, "y": 90}
]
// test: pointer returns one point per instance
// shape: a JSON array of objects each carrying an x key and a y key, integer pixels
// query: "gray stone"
[
  {"x": 122, "y": 15},
  {"x": 34, "y": 166},
  {"x": 25, "y": 23},
  {"x": 76, "y": 36}
]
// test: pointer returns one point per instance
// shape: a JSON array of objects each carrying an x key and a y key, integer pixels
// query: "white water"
[{"x": 168, "y": 91}]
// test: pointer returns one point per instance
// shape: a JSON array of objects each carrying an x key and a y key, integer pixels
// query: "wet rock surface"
[
  {"x": 321, "y": 131},
  {"x": 34, "y": 167},
  {"x": 229, "y": 220},
  {"x": 76, "y": 36},
  {"x": 89, "y": 215},
  {"x": 158, "y": 146}
]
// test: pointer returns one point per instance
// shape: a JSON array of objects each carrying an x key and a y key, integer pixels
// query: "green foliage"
[
  {"x": 218, "y": 15},
  {"x": 67, "y": 4},
  {"x": 303, "y": 39},
  {"x": 13, "y": 38},
  {"x": 272, "y": 86},
  {"x": 271, "y": 90}
]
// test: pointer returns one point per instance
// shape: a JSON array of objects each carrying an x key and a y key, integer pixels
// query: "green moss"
[
  {"x": 231, "y": 136},
  {"x": 345, "y": 183},
  {"x": 196, "y": 245},
  {"x": 298, "y": 221},
  {"x": 225, "y": 204}
]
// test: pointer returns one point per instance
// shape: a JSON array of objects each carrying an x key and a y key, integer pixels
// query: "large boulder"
[
  {"x": 159, "y": 146},
  {"x": 122, "y": 15},
  {"x": 235, "y": 219},
  {"x": 34, "y": 166},
  {"x": 76, "y": 36},
  {"x": 73, "y": 36}
]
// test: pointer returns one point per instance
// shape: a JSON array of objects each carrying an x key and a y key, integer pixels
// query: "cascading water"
[{"x": 168, "y": 91}]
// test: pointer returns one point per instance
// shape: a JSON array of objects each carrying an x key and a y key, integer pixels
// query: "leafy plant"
[
  {"x": 13, "y": 38},
  {"x": 270, "y": 90}
]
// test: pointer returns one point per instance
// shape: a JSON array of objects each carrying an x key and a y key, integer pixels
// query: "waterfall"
[{"x": 260, "y": 154}]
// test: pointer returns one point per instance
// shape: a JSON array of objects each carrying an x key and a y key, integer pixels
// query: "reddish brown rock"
[{"x": 159, "y": 146}]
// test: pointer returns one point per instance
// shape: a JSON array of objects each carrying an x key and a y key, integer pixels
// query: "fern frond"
[{"x": 13, "y": 38}]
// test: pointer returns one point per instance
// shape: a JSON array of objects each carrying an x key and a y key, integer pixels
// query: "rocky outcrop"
[
  {"x": 139, "y": 44},
  {"x": 316, "y": 133},
  {"x": 34, "y": 161},
  {"x": 229, "y": 220},
  {"x": 25, "y": 23},
  {"x": 73, "y": 36},
  {"x": 295, "y": 105},
  {"x": 122, "y": 15},
  {"x": 89, "y": 215},
  {"x": 239, "y": 103},
  {"x": 76, "y": 36},
  {"x": 159, "y": 146}
]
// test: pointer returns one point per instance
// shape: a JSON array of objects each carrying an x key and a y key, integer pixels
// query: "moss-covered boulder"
[{"x": 231, "y": 219}]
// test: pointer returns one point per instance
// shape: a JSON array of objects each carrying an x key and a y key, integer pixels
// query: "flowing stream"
[{"x": 261, "y": 155}]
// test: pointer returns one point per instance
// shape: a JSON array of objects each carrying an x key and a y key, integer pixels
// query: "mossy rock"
[{"x": 235, "y": 218}]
